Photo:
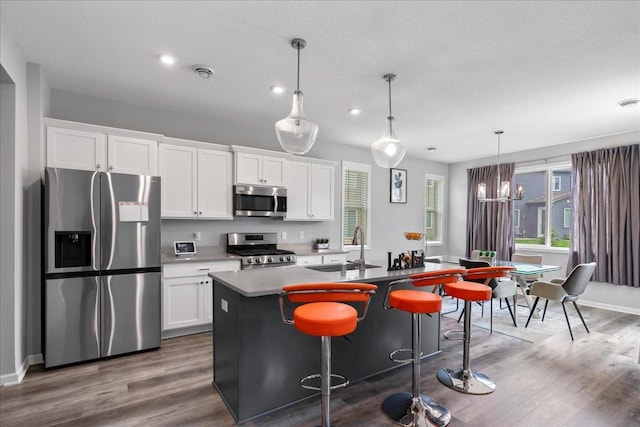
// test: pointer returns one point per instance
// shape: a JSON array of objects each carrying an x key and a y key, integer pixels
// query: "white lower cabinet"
[
  {"x": 304, "y": 260},
  {"x": 187, "y": 293}
]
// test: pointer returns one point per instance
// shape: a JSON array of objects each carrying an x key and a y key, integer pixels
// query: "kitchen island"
[{"x": 258, "y": 360}]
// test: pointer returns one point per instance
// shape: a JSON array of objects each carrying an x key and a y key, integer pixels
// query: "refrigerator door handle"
[
  {"x": 108, "y": 316},
  {"x": 95, "y": 208},
  {"x": 108, "y": 223}
]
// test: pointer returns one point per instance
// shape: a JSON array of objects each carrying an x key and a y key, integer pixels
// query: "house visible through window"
[
  {"x": 433, "y": 208},
  {"x": 356, "y": 201},
  {"x": 543, "y": 216}
]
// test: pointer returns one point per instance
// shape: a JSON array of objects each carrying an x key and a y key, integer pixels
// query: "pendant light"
[
  {"x": 388, "y": 151},
  {"x": 295, "y": 133},
  {"x": 503, "y": 188}
]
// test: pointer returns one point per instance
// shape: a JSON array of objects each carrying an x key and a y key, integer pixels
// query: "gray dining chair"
[
  {"x": 500, "y": 289},
  {"x": 563, "y": 290}
]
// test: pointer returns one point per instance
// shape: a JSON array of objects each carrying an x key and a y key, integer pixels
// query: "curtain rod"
[{"x": 560, "y": 159}]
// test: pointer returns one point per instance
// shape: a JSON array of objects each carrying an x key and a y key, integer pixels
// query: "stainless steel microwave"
[{"x": 258, "y": 200}]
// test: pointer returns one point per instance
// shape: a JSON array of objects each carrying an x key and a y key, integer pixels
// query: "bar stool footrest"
[
  {"x": 451, "y": 334},
  {"x": 303, "y": 382},
  {"x": 393, "y": 353},
  {"x": 466, "y": 381},
  {"x": 403, "y": 408}
]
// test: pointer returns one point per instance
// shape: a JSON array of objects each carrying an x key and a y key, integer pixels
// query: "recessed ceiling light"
[
  {"x": 167, "y": 59},
  {"x": 277, "y": 89},
  {"x": 354, "y": 111},
  {"x": 431, "y": 148},
  {"x": 629, "y": 102}
]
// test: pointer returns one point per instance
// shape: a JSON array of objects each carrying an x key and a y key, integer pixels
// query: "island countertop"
[{"x": 270, "y": 280}]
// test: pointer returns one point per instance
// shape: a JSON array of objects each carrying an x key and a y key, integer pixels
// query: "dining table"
[{"x": 522, "y": 270}]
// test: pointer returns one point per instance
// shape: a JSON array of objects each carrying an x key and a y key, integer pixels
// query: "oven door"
[{"x": 249, "y": 200}]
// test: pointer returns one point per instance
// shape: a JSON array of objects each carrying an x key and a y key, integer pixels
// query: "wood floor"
[{"x": 593, "y": 381}]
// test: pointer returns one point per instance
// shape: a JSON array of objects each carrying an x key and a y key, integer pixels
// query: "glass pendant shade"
[
  {"x": 295, "y": 133},
  {"x": 388, "y": 151}
]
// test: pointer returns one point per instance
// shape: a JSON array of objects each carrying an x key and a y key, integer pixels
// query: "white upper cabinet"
[
  {"x": 75, "y": 149},
  {"x": 132, "y": 155},
  {"x": 196, "y": 182},
  {"x": 72, "y": 145},
  {"x": 258, "y": 169},
  {"x": 310, "y": 191}
]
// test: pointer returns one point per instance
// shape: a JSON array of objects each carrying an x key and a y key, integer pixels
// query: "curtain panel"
[
  {"x": 605, "y": 217},
  {"x": 490, "y": 224}
]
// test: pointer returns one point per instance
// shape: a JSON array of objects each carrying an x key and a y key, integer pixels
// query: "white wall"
[
  {"x": 603, "y": 295},
  {"x": 13, "y": 180}
]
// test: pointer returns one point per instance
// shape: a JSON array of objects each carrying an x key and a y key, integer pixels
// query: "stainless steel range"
[{"x": 259, "y": 250}]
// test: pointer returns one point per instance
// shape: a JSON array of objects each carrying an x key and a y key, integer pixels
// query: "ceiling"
[{"x": 546, "y": 72}]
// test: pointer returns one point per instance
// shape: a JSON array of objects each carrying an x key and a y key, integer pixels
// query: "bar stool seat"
[
  {"x": 469, "y": 291},
  {"x": 322, "y": 311},
  {"x": 332, "y": 319},
  {"x": 415, "y": 409}
]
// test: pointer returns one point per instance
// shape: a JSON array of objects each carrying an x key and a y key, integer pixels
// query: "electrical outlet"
[
  {"x": 300, "y": 235},
  {"x": 283, "y": 235},
  {"x": 196, "y": 235},
  {"x": 224, "y": 305}
]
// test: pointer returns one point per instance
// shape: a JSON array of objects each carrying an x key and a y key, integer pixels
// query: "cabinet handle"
[
  {"x": 195, "y": 212},
  {"x": 98, "y": 166},
  {"x": 199, "y": 213},
  {"x": 204, "y": 269},
  {"x": 110, "y": 168}
]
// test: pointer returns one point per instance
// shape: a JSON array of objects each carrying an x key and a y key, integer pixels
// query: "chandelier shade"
[
  {"x": 503, "y": 188},
  {"x": 295, "y": 133},
  {"x": 388, "y": 151}
]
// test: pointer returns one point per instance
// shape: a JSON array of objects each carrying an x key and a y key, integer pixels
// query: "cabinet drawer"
[
  {"x": 309, "y": 260},
  {"x": 198, "y": 268},
  {"x": 334, "y": 259}
]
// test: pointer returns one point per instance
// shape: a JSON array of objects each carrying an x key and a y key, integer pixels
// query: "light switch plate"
[
  {"x": 224, "y": 305},
  {"x": 300, "y": 235},
  {"x": 283, "y": 235}
]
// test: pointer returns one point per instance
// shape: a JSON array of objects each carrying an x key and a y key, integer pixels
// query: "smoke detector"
[{"x": 203, "y": 71}]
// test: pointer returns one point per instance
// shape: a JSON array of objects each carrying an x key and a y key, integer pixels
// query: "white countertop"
[{"x": 269, "y": 281}]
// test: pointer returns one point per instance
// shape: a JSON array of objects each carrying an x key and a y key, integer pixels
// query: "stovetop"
[{"x": 258, "y": 250}]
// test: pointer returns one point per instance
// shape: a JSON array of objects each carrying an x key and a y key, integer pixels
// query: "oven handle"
[{"x": 275, "y": 199}]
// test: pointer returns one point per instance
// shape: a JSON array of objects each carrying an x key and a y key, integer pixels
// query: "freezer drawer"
[
  {"x": 72, "y": 320},
  {"x": 130, "y": 313}
]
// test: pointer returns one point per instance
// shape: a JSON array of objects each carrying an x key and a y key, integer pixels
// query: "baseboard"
[
  {"x": 610, "y": 307},
  {"x": 17, "y": 377},
  {"x": 36, "y": 359},
  {"x": 172, "y": 333}
]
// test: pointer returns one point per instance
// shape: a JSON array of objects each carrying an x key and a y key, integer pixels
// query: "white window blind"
[
  {"x": 433, "y": 208},
  {"x": 355, "y": 201}
]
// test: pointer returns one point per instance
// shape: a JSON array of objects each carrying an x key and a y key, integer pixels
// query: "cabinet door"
[
  {"x": 182, "y": 301},
  {"x": 321, "y": 192},
  {"x": 214, "y": 184},
  {"x": 298, "y": 191},
  {"x": 178, "y": 166},
  {"x": 334, "y": 259},
  {"x": 273, "y": 171},
  {"x": 132, "y": 155},
  {"x": 248, "y": 168},
  {"x": 74, "y": 149}
]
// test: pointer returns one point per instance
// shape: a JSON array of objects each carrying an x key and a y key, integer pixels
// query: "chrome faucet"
[{"x": 359, "y": 262}]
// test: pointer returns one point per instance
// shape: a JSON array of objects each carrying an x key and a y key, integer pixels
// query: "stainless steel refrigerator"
[{"x": 101, "y": 255}]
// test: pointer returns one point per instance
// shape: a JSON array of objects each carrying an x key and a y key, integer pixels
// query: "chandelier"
[{"x": 503, "y": 187}]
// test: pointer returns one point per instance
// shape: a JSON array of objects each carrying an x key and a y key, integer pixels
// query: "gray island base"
[{"x": 258, "y": 360}]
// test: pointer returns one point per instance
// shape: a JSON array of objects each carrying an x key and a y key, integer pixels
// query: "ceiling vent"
[{"x": 203, "y": 71}]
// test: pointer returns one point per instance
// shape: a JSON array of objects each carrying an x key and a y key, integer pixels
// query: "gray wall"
[
  {"x": 389, "y": 221},
  {"x": 604, "y": 295}
]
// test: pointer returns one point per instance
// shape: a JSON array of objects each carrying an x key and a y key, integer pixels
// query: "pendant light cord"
[
  {"x": 390, "y": 115},
  {"x": 298, "y": 84}
]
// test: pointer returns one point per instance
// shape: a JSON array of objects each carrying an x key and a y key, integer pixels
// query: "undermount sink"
[{"x": 338, "y": 267}]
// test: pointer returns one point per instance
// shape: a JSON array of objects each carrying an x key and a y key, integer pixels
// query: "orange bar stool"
[
  {"x": 322, "y": 311},
  {"x": 465, "y": 380},
  {"x": 415, "y": 409}
]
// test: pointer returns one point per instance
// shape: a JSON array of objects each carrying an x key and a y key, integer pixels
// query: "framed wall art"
[{"x": 398, "y": 185}]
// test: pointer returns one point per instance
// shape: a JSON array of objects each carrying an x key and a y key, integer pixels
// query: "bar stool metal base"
[
  {"x": 424, "y": 411},
  {"x": 468, "y": 381}
]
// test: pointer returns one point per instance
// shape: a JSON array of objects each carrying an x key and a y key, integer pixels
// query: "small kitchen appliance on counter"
[
  {"x": 101, "y": 265},
  {"x": 259, "y": 250}
]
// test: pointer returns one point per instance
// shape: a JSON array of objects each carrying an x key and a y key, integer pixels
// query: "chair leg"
[
  {"x": 568, "y": 324},
  {"x": 533, "y": 309},
  {"x": 325, "y": 378},
  {"x": 545, "y": 309},
  {"x": 461, "y": 314},
  {"x": 581, "y": 318},
  {"x": 491, "y": 316},
  {"x": 513, "y": 317}
]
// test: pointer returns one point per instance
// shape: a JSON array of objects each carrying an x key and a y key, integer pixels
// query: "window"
[
  {"x": 433, "y": 191},
  {"x": 567, "y": 217},
  {"x": 356, "y": 202},
  {"x": 543, "y": 216}
]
